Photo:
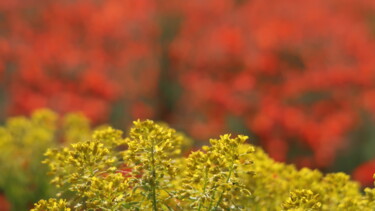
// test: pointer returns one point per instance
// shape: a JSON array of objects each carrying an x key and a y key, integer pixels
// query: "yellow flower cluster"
[
  {"x": 277, "y": 186},
  {"x": 22, "y": 144},
  {"x": 211, "y": 180},
  {"x": 79, "y": 163},
  {"x": 145, "y": 171},
  {"x": 151, "y": 148},
  {"x": 52, "y": 205},
  {"x": 302, "y": 199},
  {"x": 88, "y": 169}
]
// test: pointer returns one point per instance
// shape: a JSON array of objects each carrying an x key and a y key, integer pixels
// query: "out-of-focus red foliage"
[
  {"x": 364, "y": 172},
  {"x": 292, "y": 70},
  {"x": 4, "y": 204},
  {"x": 78, "y": 55},
  {"x": 289, "y": 71}
]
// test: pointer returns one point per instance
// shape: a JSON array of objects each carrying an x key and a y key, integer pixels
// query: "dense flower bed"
[
  {"x": 154, "y": 167},
  {"x": 79, "y": 56},
  {"x": 292, "y": 72},
  {"x": 298, "y": 76},
  {"x": 145, "y": 171}
]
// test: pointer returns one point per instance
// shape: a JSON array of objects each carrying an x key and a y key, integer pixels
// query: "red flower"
[{"x": 364, "y": 173}]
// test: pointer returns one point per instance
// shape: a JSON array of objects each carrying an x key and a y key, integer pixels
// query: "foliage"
[
  {"x": 145, "y": 171},
  {"x": 286, "y": 71},
  {"x": 23, "y": 141},
  {"x": 284, "y": 75},
  {"x": 86, "y": 50},
  {"x": 293, "y": 74}
]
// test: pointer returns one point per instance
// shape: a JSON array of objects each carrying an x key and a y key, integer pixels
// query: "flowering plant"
[
  {"x": 23, "y": 141},
  {"x": 291, "y": 73},
  {"x": 145, "y": 171}
]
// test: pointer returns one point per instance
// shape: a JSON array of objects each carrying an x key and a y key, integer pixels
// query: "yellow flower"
[
  {"x": 23, "y": 140},
  {"x": 302, "y": 199},
  {"x": 51, "y": 205},
  {"x": 145, "y": 171}
]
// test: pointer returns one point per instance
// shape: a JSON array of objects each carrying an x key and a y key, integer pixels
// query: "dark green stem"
[
  {"x": 153, "y": 180},
  {"x": 204, "y": 187},
  {"x": 227, "y": 180}
]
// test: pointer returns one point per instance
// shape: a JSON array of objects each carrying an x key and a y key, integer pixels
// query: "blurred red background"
[{"x": 297, "y": 76}]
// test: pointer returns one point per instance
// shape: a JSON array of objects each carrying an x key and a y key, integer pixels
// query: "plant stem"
[
  {"x": 227, "y": 180},
  {"x": 153, "y": 182},
  {"x": 204, "y": 187},
  {"x": 213, "y": 197}
]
